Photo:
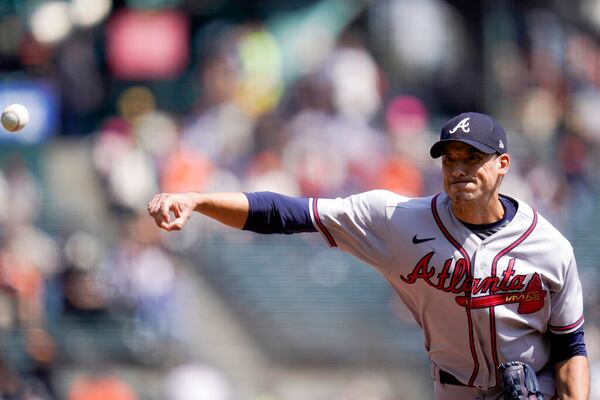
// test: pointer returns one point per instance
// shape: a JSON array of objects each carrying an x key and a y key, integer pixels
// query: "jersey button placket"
[
  {"x": 485, "y": 270},
  {"x": 480, "y": 271}
]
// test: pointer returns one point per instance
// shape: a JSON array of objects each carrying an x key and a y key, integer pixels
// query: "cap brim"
[{"x": 438, "y": 148}]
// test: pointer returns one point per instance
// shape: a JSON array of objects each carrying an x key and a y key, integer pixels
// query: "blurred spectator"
[
  {"x": 144, "y": 280},
  {"x": 27, "y": 259},
  {"x": 353, "y": 153},
  {"x": 573, "y": 159},
  {"x": 405, "y": 116},
  {"x": 266, "y": 172},
  {"x": 10, "y": 385},
  {"x": 219, "y": 127},
  {"x": 127, "y": 171},
  {"x": 41, "y": 350},
  {"x": 157, "y": 134},
  {"x": 23, "y": 189},
  {"x": 401, "y": 176},
  {"x": 356, "y": 99},
  {"x": 185, "y": 169},
  {"x": 424, "y": 40},
  {"x": 82, "y": 296},
  {"x": 82, "y": 84},
  {"x": 23, "y": 272}
]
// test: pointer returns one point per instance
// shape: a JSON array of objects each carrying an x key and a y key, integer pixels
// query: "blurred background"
[{"x": 303, "y": 97}]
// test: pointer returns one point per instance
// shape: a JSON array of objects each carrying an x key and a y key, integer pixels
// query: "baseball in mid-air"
[{"x": 15, "y": 117}]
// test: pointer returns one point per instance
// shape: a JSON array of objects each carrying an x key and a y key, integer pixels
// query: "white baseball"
[{"x": 15, "y": 117}]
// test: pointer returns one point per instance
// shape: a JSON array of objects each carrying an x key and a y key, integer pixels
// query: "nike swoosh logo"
[{"x": 416, "y": 240}]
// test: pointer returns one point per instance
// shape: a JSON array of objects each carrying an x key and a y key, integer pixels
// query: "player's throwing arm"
[{"x": 228, "y": 208}]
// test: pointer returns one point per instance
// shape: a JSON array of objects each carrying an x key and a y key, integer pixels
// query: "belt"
[{"x": 447, "y": 378}]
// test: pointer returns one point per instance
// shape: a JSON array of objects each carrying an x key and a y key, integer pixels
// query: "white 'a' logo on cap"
[{"x": 463, "y": 124}]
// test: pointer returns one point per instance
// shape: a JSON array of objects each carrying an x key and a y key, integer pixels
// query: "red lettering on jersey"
[
  {"x": 442, "y": 276},
  {"x": 530, "y": 300},
  {"x": 459, "y": 280},
  {"x": 460, "y": 272},
  {"x": 487, "y": 284},
  {"x": 516, "y": 283},
  {"x": 421, "y": 270}
]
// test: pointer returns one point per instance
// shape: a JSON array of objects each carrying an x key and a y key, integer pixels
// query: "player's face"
[{"x": 470, "y": 174}]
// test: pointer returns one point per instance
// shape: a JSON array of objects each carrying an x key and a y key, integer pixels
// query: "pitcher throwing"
[{"x": 487, "y": 278}]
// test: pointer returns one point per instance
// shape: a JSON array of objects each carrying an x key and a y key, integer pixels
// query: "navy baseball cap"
[{"x": 479, "y": 130}]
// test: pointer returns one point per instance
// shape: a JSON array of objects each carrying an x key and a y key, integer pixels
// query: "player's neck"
[{"x": 478, "y": 212}]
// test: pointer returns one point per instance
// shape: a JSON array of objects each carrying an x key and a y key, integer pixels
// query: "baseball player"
[{"x": 487, "y": 278}]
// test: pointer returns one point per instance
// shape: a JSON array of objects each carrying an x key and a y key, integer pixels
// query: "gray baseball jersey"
[{"x": 478, "y": 302}]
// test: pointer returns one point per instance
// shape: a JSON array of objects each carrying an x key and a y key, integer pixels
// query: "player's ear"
[{"x": 503, "y": 163}]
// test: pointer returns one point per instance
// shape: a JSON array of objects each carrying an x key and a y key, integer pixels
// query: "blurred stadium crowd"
[{"x": 304, "y": 97}]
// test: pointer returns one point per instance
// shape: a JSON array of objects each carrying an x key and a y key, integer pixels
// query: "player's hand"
[{"x": 180, "y": 204}]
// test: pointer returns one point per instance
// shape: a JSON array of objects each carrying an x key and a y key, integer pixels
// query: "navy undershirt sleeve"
[
  {"x": 276, "y": 213},
  {"x": 563, "y": 347}
]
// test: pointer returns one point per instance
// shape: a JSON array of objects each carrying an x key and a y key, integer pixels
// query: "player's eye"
[{"x": 475, "y": 158}]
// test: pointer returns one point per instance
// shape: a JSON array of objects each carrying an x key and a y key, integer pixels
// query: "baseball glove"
[{"x": 519, "y": 382}]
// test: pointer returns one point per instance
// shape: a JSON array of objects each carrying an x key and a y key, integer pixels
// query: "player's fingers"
[
  {"x": 158, "y": 220},
  {"x": 176, "y": 224},
  {"x": 182, "y": 216},
  {"x": 165, "y": 207},
  {"x": 154, "y": 204},
  {"x": 164, "y": 225},
  {"x": 176, "y": 210}
]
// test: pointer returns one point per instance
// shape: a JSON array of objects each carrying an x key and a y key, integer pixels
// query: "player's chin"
[{"x": 461, "y": 195}]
